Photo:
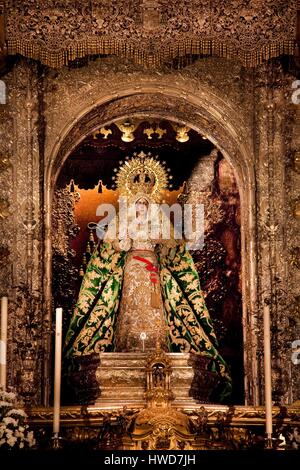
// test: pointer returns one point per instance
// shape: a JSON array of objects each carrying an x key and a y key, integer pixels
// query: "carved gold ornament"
[
  {"x": 4, "y": 163},
  {"x": 297, "y": 162},
  {"x": 4, "y": 209},
  {"x": 297, "y": 210},
  {"x": 181, "y": 133},
  {"x": 127, "y": 128},
  {"x": 102, "y": 131},
  {"x": 149, "y": 131},
  {"x": 295, "y": 257},
  {"x": 160, "y": 132}
]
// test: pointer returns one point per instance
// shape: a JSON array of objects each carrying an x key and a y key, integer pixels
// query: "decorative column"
[
  {"x": 26, "y": 278},
  {"x": 271, "y": 149}
]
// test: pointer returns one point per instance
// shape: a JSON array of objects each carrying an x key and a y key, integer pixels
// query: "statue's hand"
[{"x": 122, "y": 245}]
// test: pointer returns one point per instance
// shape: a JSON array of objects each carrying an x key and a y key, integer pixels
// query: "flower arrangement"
[{"x": 14, "y": 433}]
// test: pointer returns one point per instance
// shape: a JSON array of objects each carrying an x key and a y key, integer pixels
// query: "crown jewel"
[{"x": 141, "y": 175}]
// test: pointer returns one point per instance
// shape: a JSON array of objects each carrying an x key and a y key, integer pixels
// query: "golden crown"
[{"x": 141, "y": 175}]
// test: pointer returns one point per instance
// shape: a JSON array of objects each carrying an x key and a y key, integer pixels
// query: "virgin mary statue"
[{"x": 141, "y": 287}]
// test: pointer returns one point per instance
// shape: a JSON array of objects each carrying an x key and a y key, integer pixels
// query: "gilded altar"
[
  {"x": 204, "y": 427},
  {"x": 153, "y": 402}
]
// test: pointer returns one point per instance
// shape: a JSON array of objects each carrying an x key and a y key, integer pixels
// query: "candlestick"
[
  {"x": 268, "y": 376},
  {"x": 3, "y": 342},
  {"x": 57, "y": 373}
]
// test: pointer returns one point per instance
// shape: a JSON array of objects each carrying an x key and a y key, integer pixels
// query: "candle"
[
  {"x": 57, "y": 371},
  {"x": 143, "y": 336},
  {"x": 268, "y": 375},
  {"x": 3, "y": 342}
]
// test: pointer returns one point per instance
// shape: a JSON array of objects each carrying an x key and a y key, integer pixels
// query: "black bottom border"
[{"x": 85, "y": 460}]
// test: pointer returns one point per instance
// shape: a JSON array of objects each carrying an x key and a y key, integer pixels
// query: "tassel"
[
  {"x": 81, "y": 271},
  {"x": 91, "y": 237},
  {"x": 72, "y": 187},
  {"x": 155, "y": 298}
]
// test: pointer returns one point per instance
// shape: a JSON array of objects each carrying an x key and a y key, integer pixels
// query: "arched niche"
[{"x": 218, "y": 125}]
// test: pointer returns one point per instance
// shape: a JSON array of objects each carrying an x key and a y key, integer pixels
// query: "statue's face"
[{"x": 141, "y": 208}]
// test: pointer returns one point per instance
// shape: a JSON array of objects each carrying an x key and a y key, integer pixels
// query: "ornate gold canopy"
[{"x": 149, "y": 32}]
